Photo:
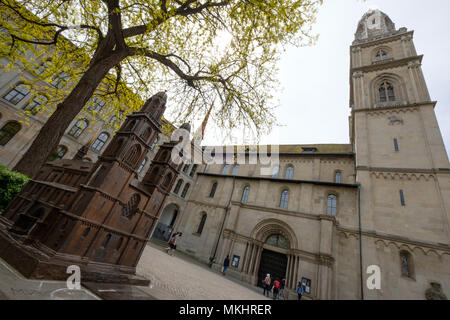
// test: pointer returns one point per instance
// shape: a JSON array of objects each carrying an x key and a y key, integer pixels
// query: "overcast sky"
[{"x": 314, "y": 98}]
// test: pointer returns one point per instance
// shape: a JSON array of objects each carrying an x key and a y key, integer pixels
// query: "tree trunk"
[{"x": 51, "y": 133}]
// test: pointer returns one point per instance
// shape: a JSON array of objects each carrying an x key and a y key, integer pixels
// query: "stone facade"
[{"x": 332, "y": 210}]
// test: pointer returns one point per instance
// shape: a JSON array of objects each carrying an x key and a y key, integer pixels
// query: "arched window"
[
  {"x": 178, "y": 186},
  {"x": 331, "y": 205},
  {"x": 235, "y": 170},
  {"x": 141, "y": 167},
  {"x": 86, "y": 232},
  {"x": 133, "y": 155},
  {"x": 213, "y": 190},
  {"x": 277, "y": 240},
  {"x": 193, "y": 170},
  {"x": 60, "y": 80},
  {"x": 8, "y": 131},
  {"x": 381, "y": 55},
  {"x": 407, "y": 265},
  {"x": 59, "y": 153},
  {"x": 201, "y": 225},
  {"x": 337, "y": 177},
  {"x": 185, "y": 190},
  {"x": 386, "y": 92},
  {"x": 186, "y": 168},
  {"x": 78, "y": 128},
  {"x": 225, "y": 169},
  {"x": 245, "y": 194},
  {"x": 167, "y": 180},
  {"x": 284, "y": 199},
  {"x": 100, "y": 141},
  {"x": 275, "y": 172},
  {"x": 16, "y": 94},
  {"x": 106, "y": 240},
  {"x": 36, "y": 104},
  {"x": 97, "y": 104},
  {"x": 132, "y": 206},
  {"x": 290, "y": 172}
]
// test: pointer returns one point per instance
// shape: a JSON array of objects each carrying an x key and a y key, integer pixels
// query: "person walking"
[
  {"x": 267, "y": 282},
  {"x": 276, "y": 289},
  {"x": 173, "y": 243},
  {"x": 300, "y": 290},
  {"x": 226, "y": 264},
  {"x": 282, "y": 286}
]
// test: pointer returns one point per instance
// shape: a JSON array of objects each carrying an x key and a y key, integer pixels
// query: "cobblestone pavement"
[{"x": 179, "y": 277}]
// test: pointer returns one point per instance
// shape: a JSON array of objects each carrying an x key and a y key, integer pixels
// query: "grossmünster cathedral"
[{"x": 328, "y": 213}]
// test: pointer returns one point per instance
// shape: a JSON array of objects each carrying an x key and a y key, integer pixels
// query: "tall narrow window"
[
  {"x": 337, "y": 177},
  {"x": 78, "y": 128},
  {"x": 397, "y": 149},
  {"x": 284, "y": 199},
  {"x": 154, "y": 144},
  {"x": 386, "y": 92},
  {"x": 36, "y": 104},
  {"x": 402, "y": 198},
  {"x": 331, "y": 205},
  {"x": 225, "y": 169},
  {"x": 275, "y": 172},
  {"x": 8, "y": 131},
  {"x": 185, "y": 190},
  {"x": 290, "y": 172},
  {"x": 235, "y": 170},
  {"x": 186, "y": 168},
  {"x": 406, "y": 264},
  {"x": 106, "y": 240},
  {"x": 201, "y": 225},
  {"x": 141, "y": 167},
  {"x": 16, "y": 94},
  {"x": 100, "y": 141},
  {"x": 245, "y": 194},
  {"x": 213, "y": 190},
  {"x": 193, "y": 170},
  {"x": 178, "y": 186},
  {"x": 59, "y": 153}
]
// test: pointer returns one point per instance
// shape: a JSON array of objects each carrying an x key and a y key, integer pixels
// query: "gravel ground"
[{"x": 178, "y": 277}]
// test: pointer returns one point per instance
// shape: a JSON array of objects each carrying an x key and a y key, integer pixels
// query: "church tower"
[{"x": 401, "y": 163}]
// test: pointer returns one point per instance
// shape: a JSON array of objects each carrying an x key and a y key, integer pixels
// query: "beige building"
[{"x": 328, "y": 213}]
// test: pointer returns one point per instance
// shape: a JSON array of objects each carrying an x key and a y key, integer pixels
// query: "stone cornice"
[
  {"x": 386, "y": 65},
  {"x": 396, "y": 108},
  {"x": 377, "y": 41},
  {"x": 405, "y": 170},
  {"x": 394, "y": 238},
  {"x": 285, "y": 181}
]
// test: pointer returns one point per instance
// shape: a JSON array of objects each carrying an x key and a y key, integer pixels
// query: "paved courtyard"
[{"x": 179, "y": 277}]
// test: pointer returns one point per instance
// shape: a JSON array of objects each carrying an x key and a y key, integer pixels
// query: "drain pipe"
[
  {"x": 360, "y": 243},
  {"x": 227, "y": 210}
]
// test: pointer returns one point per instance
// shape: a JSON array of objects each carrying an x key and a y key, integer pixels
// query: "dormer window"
[{"x": 309, "y": 149}]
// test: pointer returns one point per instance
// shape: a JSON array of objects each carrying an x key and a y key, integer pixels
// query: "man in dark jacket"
[{"x": 226, "y": 264}]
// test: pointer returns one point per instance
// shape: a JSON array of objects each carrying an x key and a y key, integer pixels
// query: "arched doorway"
[
  {"x": 274, "y": 258},
  {"x": 164, "y": 228}
]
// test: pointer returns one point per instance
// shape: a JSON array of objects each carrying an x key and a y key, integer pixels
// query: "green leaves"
[{"x": 11, "y": 183}]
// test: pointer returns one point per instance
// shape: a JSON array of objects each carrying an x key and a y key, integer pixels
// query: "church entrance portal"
[
  {"x": 272, "y": 263},
  {"x": 166, "y": 222}
]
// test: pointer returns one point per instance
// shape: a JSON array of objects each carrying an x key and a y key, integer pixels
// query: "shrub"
[{"x": 11, "y": 183}]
